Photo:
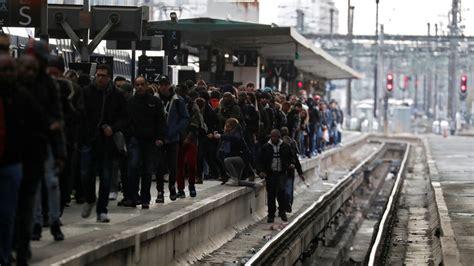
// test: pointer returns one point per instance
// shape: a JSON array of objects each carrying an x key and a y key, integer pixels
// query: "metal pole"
[
  {"x": 435, "y": 109},
  {"x": 85, "y": 53},
  {"x": 452, "y": 65},
  {"x": 416, "y": 92},
  {"x": 376, "y": 74},
  {"x": 350, "y": 19},
  {"x": 331, "y": 20},
  {"x": 133, "y": 62},
  {"x": 380, "y": 69},
  {"x": 44, "y": 36},
  {"x": 425, "y": 100}
]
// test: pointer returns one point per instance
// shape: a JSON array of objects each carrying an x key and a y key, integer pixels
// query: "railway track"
[{"x": 325, "y": 233}]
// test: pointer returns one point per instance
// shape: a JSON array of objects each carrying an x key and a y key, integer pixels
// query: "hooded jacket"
[
  {"x": 177, "y": 116},
  {"x": 228, "y": 110}
]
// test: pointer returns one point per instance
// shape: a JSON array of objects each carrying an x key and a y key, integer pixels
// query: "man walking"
[
  {"x": 276, "y": 159},
  {"x": 145, "y": 133},
  {"x": 103, "y": 114}
]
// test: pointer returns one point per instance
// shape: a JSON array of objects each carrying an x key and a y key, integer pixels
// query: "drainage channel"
[{"x": 324, "y": 233}]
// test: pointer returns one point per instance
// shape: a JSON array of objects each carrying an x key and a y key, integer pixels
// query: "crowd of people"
[{"x": 60, "y": 131}]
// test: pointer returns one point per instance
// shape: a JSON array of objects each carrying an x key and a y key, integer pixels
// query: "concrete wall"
[{"x": 194, "y": 230}]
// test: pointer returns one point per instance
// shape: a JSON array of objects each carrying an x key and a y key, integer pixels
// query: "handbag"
[{"x": 120, "y": 143}]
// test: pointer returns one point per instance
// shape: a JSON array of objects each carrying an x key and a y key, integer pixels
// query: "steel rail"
[
  {"x": 382, "y": 228},
  {"x": 286, "y": 237}
]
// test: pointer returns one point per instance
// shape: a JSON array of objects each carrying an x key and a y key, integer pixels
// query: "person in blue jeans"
[
  {"x": 51, "y": 181},
  {"x": 290, "y": 181},
  {"x": 20, "y": 118}
]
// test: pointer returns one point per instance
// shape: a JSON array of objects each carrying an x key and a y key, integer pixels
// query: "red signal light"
[
  {"x": 389, "y": 82},
  {"x": 300, "y": 84},
  {"x": 463, "y": 84}
]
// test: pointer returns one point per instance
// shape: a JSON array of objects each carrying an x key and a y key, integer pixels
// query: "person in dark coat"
[
  {"x": 21, "y": 117},
  {"x": 228, "y": 109},
  {"x": 43, "y": 145},
  {"x": 103, "y": 113},
  {"x": 275, "y": 160},
  {"x": 207, "y": 148},
  {"x": 145, "y": 132},
  {"x": 290, "y": 181}
]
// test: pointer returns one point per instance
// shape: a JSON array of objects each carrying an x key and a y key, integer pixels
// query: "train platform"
[
  {"x": 174, "y": 232},
  {"x": 451, "y": 169}
]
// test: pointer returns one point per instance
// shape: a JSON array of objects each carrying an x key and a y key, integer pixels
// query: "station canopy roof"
[{"x": 272, "y": 42}]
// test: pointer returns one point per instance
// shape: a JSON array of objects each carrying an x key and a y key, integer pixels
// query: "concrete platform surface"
[{"x": 453, "y": 158}]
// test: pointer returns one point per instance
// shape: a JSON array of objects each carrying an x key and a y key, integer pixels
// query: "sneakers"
[
  {"x": 173, "y": 194},
  {"x": 160, "y": 198},
  {"x": 112, "y": 195},
  {"x": 192, "y": 191},
  {"x": 232, "y": 182},
  {"x": 270, "y": 219},
  {"x": 181, "y": 194},
  {"x": 87, "y": 209},
  {"x": 102, "y": 218},
  {"x": 145, "y": 206},
  {"x": 283, "y": 217},
  {"x": 56, "y": 232},
  {"x": 36, "y": 234}
]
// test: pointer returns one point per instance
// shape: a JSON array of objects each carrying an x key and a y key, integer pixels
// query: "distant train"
[{"x": 122, "y": 59}]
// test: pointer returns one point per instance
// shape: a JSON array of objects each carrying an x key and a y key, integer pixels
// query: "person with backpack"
[
  {"x": 188, "y": 144},
  {"x": 275, "y": 160},
  {"x": 177, "y": 119}
]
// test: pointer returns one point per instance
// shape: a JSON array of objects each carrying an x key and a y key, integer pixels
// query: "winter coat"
[
  {"x": 146, "y": 117},
  {"x": 228, "y": 110},
  {"x": 314, "y": 117},
  {"x": 266, "y": 158},
  {"x": 47, "y": 94},
  {"x": 294, "y": 154},
  {"x": 232, "y": 145},
  {"x": 196, "y": 123},
  {"x": 211, "y": 119},
  {"x": 101, "y": 107},
  {"x": 177, "y": 117},
  {"x": 294, "y": 121},
  {"x": 26, "y": 123},
  {"x": 265, "y": 126}
]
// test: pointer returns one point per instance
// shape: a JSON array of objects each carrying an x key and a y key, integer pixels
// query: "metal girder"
[{"x": 388, "y": 37}]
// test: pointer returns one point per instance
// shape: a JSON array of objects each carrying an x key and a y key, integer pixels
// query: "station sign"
[
  {"x": 107, "y": 60},
  {"x": 171, "y": 43},
  {"x": 150, "y": 67},
  {"x": 246, "y": 58},
  {"x": 21, "y": 13},
  {"x": 282, "y": 68}
]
